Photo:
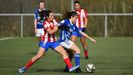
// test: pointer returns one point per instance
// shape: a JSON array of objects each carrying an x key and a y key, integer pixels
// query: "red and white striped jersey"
[
  {"x": 49, "y": 37},
  {"x": 80, "y": 21}
]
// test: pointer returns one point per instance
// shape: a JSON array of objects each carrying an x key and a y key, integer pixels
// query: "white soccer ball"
[{"x": 90, "y": 68}]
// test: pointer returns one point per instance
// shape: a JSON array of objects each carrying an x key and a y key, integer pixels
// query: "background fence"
[{"x": 107, "y": 18}]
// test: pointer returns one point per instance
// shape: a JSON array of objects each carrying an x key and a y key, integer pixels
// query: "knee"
[
  {"x": 73, "y": 39},
  {"x": 78, "y": 51}
]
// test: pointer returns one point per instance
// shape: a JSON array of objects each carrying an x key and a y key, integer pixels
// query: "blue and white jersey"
[
  {"x": 66, "y": 34},
  {"x": 37, "y": 16}
]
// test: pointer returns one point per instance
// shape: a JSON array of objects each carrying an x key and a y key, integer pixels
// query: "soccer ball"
[{"x": 90, "y": 68}]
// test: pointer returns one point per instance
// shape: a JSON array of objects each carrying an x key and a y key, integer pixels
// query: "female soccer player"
[
  {"x": 81, "y": 23},
  {"x": 49, "y": 41},
  {"x": 68, "y": 27},
  {"x": 39, "y": 18}
]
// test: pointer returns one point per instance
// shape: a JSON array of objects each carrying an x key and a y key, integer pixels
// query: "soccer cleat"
[
  {"x": 86, "y": 57},
  {"x": 22, "y": 70},
  {"x": 78, "y": 70},
  {"x": 66, "y": 70},
  {"x": 73, "y": 68}
]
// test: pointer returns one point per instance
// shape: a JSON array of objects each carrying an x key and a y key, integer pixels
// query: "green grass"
[{"x": 111, "y": 56}]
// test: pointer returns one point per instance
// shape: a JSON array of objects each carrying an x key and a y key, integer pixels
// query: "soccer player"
[
  {"x": 67, "y": 27},
  {"x": 81, "y": 23},
  {"x": 39, "y": 18},
  {"x": 49, "y": 41}
]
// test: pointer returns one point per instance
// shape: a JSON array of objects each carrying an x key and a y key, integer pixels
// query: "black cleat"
[
  {"x": 78, "y": 70},
  {"x": 66, "y": 70},
  {"x": 86, "y": 57}
]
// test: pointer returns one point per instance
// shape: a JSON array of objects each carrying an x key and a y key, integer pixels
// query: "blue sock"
[{"x": 77, "y": 59}]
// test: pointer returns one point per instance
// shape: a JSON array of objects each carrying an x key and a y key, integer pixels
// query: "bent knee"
[{"x": 78, "y": 51}]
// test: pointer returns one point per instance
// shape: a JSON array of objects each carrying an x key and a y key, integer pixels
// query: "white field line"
[{"x": 6, "y": 38}]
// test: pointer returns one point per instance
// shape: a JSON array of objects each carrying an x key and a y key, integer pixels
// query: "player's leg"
[
  {"x": 32, "y": 60},
  {"x": 70, "y": 55},
  {"x": 74, "y": 38},
  {"x": 72, "y": 47},
  {"x": 39, "y": 34},
  {"x": 75, "y": 48},
  {"x": 83, "y": 42},
  {"x": 85, "y": 48},
  {"x": 43, "y": 48},
  {"x": 76, "y": 57},
  {"x": 61, "y": 50}
]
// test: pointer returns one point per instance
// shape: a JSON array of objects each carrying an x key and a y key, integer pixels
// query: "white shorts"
[
  {"x": 40, "y": 32},
  {"x": 67, "y": 44}
]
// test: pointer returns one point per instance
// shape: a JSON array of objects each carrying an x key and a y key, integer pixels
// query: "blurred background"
[{"x": 103, "y": 25}]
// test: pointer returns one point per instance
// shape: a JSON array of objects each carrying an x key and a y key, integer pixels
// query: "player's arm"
[
  {"x": 85, "y": 35},
  {"x": 48, "y": 29},
  {"x": 63, "y": 26},
  {"x": 85, "y": 18},
  {"x": 51, "y": 31},
  {"x": 35, "y": 25},
  {"x": 35, "y": 20},
  {"x": 60, "y": 24},
  {"x": 86, "y": 21}
]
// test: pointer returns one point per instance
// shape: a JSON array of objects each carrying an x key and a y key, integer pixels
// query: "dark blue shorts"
[
  {"x": 78, "y": 34},
  {"x": 47, "y": 45}
]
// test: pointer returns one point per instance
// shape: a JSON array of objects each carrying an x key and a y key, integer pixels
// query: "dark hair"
[
  {"x": 70, "y": 14},
  {"x": 76, "y": 2},
  {"x": 47, "y": 13},
  {"x": 41, "y": 1}
]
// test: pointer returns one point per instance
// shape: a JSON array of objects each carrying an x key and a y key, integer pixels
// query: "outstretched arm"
[
  {"x": 85, "y": 35},
  {"x": 35, "y": 24}
]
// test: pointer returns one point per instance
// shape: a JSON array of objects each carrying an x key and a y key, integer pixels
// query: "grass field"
[{"x": 111, "y": 56}]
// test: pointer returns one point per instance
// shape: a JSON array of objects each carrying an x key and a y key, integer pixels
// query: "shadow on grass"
[{"x": 51, "y": 71}]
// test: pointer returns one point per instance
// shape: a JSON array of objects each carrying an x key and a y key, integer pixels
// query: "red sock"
[
  {"x": 29, "y": 64},
  {"x": 85, "y": 53},
  {"x": 68, "y": 63}
]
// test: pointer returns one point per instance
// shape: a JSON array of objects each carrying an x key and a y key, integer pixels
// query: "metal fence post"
[
  {"x": 72, "y": 8},
  {"x": 21, "y": 25},
  {"x": 106, "y": 26}
]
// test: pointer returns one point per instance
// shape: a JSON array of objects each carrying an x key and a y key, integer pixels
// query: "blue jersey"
[
  {"x": 66, "y": 34},
  {"x": 39, "y": 18}
]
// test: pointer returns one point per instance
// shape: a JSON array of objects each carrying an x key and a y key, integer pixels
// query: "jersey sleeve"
[
  {"x": 35, "y": 14},
  {"x": 61, "y": 23}
]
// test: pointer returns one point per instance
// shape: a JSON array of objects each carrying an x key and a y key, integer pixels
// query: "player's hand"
[
  {"x": 93, "y": 40},
  {"x": 84, "y": 29},
  {"x": 35, "y": 31}
]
